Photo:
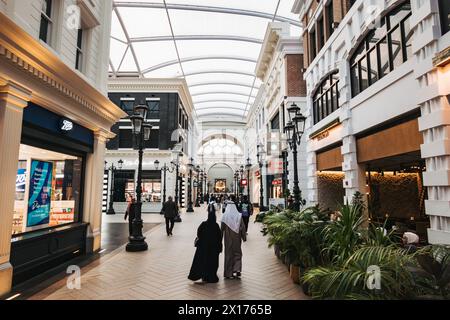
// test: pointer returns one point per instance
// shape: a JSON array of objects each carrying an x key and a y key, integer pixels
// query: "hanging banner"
[
  {"x": 21, "y": 180},
  {"x": 40, "y": 193}
]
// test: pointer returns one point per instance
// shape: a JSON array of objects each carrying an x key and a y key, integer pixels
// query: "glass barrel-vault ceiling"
[{"x": 213, "y": 44}]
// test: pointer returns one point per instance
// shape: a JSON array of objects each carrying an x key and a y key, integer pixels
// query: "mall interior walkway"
[{"x": 161, "y": 273}]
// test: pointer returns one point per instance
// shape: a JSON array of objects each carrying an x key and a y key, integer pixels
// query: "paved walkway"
[{"x": 161, "y": 273}]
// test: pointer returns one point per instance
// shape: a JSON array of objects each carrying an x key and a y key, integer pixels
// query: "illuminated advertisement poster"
[
  {"x": 21, "y": 180},
  {"x": 40, "y": 193}
]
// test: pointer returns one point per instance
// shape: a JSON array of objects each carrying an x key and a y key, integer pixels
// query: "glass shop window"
[{"x": 48, "y": 189}]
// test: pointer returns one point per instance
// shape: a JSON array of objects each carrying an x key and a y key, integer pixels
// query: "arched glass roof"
[{"x": 213, "y": 44}]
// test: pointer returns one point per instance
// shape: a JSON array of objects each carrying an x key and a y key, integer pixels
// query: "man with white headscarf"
[{"x": 233, "y": 232}]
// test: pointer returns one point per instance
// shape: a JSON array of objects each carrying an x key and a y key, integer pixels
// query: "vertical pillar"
[
  {"x": 434, "y": 123},
  {"x": 354, "y": 179},
  {"x": 13, "y": 99},
  {"x": 93, "y": 192}
]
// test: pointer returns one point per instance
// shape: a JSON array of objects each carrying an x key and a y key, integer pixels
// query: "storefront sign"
[
  {"x": 257, "y": 173},
  {"x": 39, "y": 198},
  {"x": 66, "y": 125},
  {"x": 277, "y": 182},
  {"x": 21, "y": 180},
  {"x": 244, "y": 182}
]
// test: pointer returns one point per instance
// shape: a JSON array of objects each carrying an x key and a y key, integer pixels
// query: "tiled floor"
[{"x": 161, "y": 273}]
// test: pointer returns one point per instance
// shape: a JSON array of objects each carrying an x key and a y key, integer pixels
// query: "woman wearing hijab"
[
  {"x": 209, "y": 246},
  {"x": 233, "y": 230}
]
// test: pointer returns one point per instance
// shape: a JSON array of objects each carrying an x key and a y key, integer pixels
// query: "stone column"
[
  {"x": 434, "y": 123},
  {"x": 13, "y": 99},
  {"x": 93, "y": 192}
]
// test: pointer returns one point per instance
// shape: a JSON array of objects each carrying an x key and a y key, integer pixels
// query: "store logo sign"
[{"x": 66, "y": 125}]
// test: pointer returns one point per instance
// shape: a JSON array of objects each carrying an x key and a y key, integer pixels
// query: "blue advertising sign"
[
  {"x": 21, "y": 180},
  {"x": 40, "y": 193}
]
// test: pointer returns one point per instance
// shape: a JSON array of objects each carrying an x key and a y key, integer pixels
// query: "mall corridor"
[{"x": 161, "y": 272}]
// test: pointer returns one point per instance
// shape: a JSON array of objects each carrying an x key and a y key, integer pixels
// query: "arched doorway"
[{"x": 220, "y": 178}]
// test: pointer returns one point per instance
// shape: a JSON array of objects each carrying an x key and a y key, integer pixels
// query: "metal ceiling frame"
[
  {"x": 212, "y": 9},
  {"x": 220, "y": 100},
  {"x": 204, "y": 93},
  {"x": 210, "y": 115},
  {"x": 224, "y": 71},
  {"x": 207, "y": 108},
  {"x": 220, "y": 83},
  {"x": 194, "y": 37},
  {"x": 197, "y": 58}
]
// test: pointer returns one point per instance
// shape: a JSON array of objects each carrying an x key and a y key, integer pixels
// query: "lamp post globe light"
[
  {"x": 294, "y": 130},
  {"x": 141, "y": 130},
  {"x": 261, "y": 155},
  {"x": 190, "y": 203},
  {"x": 113, "y": 170},
  {"x": 248, "y": 166},
  {"x": 164, "y": 170}
]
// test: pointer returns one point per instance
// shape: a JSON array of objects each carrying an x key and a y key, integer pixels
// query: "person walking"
[
  {"x": 170, "y": 210},
  {"x": 233, "y": 232},
  {"x": 130, "y": 213},
  {"x": 246, "y": 209},
  {"x": 209, "y": 247}
]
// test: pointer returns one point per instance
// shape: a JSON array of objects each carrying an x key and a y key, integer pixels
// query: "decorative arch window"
[
  {"x": 383, "y": 49},
  {"x": 220, "y": 147},
  {"x": 326, "y": 98}
]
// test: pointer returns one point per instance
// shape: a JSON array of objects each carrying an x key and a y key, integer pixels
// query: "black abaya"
[{"x": 206, "y": 259}]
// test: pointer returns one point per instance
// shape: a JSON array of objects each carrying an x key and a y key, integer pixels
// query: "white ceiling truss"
[{"x": 214, "y": 45}]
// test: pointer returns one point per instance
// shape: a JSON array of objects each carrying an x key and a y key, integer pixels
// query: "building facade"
[
  {"x": 54, "y": 123},
  {"x": 378, "y": 85},
  {"x": 174, "y": 131},
  {"x": 280, "y": 68}
]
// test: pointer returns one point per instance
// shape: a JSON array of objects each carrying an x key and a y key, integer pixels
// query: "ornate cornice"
[
  {"x": 19, "y": 48},
  {"x": 176, "y": 85}
]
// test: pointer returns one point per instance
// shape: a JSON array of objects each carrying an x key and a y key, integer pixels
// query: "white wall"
[{"x": 27, "y": 14}]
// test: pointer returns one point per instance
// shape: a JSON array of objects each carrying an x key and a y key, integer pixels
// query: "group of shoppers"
[{"x": 232, "y": 231}]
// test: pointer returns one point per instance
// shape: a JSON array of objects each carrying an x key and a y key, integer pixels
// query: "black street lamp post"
[
  {"x": 176, "y": 164},
  {"x": 113, "y": 170},
  {"x": 164, "y": 170},
  {"x": 294, "y": 130},
  {"x": 197, "y": 189},
  {"x": 142, "y": 130},
  {"x": 202, "y": 181},
  {"x": 241, "y": 177},
  {"x": 261, "y": 158},
  {"x": 190, "y": 203},
  {"x": 248, "y": 166}
]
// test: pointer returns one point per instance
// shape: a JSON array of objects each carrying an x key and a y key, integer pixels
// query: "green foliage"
[
  {"x": 349, "y": 281},
  {"x": 343, "y": 236},
  {"x": 434, "y": 276}
]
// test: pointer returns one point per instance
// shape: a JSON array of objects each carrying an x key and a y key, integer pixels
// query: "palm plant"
[
  {"x": 343, "y": 236},
  {"x": 434, "y": 275},
  {"x": 350, "y": 280}
]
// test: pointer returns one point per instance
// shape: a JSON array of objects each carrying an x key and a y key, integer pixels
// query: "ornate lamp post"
[
  {"x": 190, "y": 203},
  {"x": 294, "y": 130},
  {"x": 164, "y": 170},
  {"x": 113, "y": 170},
  {"x": 202, "y": 181},
  {"x": 261, "y": 155},
  {"x": 142, "y": 130},
  {"x": 197, "y": 193},
  {"x": 241, "y": 177},
  {"x": 236, "y": 177},
  {"x": 248, "y": 166}
]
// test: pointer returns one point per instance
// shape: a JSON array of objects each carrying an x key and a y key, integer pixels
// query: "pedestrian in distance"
[
  {"x": 170, "y": 211},
  {"x": 130, "y": 213},
  {"x": 246, "y": 209}
]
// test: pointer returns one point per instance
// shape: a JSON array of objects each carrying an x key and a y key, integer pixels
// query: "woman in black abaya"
[{"x": 209, "y": 246}]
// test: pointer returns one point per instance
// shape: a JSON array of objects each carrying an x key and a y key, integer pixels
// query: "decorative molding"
[
  {"x": 175, "y": 85},
  {"x": 442, "y": 58},
  {"x": 19, "y": 48}
]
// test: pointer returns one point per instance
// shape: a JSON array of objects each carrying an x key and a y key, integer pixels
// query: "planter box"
[{"x": 294, "y": 271}]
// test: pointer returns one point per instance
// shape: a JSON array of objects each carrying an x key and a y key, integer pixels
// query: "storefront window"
[{"x": 48, "y": 189}]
